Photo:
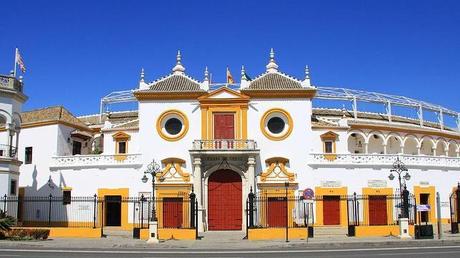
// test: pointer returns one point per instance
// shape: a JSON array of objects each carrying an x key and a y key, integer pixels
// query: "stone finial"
[
  {"x": 206, "y": 74},
  {"x": 307, "y": 81},
  {"x": 142, "y": 75},
  {"x": 179, "y": 68},
  {"x": 272, "y": 67},
  {"x": 205, "y": 83},
  {"x": 244, "y": 79}
]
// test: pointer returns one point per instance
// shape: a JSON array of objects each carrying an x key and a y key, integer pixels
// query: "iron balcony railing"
[
  {"x": 7, "y": 151},
  {"x": 224, "y": 144}
]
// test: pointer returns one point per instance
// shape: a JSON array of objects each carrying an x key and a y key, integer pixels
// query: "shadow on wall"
[{"x": 44, "y": 205}]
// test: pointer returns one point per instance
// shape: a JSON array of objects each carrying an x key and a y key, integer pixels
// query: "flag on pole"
[
  {"x": 20, "y": 61},
  {"x": 229, "y": 77}
]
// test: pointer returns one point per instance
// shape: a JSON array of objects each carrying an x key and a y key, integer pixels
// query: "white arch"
[
  {"x": 452, "y": 148},
  {"x": 376, "y": 142},
  {"x": 356, "y": 143},
  {"x": 6, "y": 115},
  {"x": 411, "y": 145},
  {"x": 427, "y": 146},
  {"x": 441, "y": 147},
  {"x": 394, "y": 146}
]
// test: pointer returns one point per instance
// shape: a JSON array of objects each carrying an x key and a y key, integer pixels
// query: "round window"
[
  {"x": 276, "y": 125},
  {"x": 173, "y": 126}
]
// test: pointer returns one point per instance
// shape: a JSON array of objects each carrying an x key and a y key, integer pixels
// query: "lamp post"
[
  {"x": 399, "y": 167},
  {"x": 153, "y": 168}
]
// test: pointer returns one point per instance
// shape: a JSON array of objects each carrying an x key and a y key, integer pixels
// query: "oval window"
[
  {"x": 276, "y": 125},
  {"x": 173, "y": 126}
]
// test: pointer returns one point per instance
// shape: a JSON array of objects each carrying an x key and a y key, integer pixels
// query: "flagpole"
[{"x": 15, "y": 62}]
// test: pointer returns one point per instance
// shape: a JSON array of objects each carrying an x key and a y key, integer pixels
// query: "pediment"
[{"x": 223, "y": 94}]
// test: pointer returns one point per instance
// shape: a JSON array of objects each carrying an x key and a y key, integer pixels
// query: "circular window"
[
  {"x": 276, "y": 124},
  {"x": 172, "y": 125}
]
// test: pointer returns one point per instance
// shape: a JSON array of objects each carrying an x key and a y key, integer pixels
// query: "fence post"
[
  {"x": 196, "y": 219},
  {"x": 192, "y": 209},
  {"x": 4, "y": 203},
  {"x": 142, "y": 210},
  {"x": 49, "y": 210},
  {"x": 94, "y": 210},
  {"x": 251, "y": 208}
]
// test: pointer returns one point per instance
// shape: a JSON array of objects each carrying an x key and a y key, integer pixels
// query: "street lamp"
[
  {"x": 153, "y": 168},
  {"x": 399, "y": 167}
]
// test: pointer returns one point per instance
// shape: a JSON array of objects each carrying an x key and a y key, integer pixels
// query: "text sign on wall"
[
  {"x": 423, "y": 207},
  {"x": 377, "y": 183},
  {"x": 330, "y": 183}
]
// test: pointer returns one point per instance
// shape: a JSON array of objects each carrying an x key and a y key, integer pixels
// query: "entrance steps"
[
  {"x": 330, "y": 232},
  {"x": 116, "y": 232}
]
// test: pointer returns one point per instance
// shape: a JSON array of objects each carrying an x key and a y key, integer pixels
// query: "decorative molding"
[
  {"x": 184, "y": 120},
  {"x": 264, "y": 121},
  {"x": 277, "y": 171}
]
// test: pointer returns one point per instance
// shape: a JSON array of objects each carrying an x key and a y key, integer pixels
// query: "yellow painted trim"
[
  {"x": 120, "y": 157},
  {"x": 66, "y": 188},
  {"x": 173, "y": 190},
  {"x": 277, "y": 162},
  {"x": 276, "y": 190},
  {"x": 184, "y": 121},
  {"x": 207, "y": 120},
  {"x": 371, "y": 191},
  {"x": 176, "y": 233},
  {"x": 178, "y": 167},
  {"x": 276, "y": 233},
  {"x": 121, "y": 136},
  {"x": 65, "y": 232},
  {"x": 328, "y": 191},
  {"x": 124, "y": 193},
  {"x": 268, "y": 134},
  {"x": 380, "y": 231},
  {"x": 431, "y": 200},
  {"x": 118, "y": 138},
  {"x": 204, "y": 123}
]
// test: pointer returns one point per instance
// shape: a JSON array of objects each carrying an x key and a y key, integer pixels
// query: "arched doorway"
[{"x": 225, "y": 200}]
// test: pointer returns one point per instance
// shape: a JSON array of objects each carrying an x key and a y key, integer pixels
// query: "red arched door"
[{"x": 225, "y": 200}]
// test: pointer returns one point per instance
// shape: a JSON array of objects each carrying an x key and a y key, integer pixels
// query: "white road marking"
[{"x": 228, "y": 251}]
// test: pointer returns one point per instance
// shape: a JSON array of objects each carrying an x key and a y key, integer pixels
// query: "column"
[
  {"x": 251, "y": 172},
  {"x": 17, "y": 143},
  {"x": 384, "y": 149},
  {"x": 198, "y": 190}
]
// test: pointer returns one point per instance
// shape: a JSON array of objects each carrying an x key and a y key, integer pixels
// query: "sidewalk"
[{"x": 227, "y": 240}]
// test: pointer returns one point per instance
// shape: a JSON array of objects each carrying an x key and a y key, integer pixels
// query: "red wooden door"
[
  {"x": 377, "y": 210},
  {"x": 225, "y": 200},
  {"x": 224, "y": 126},
  {"x": 276, "y": 212},
  {"x": 172, "y": 212},
  {"x": 331, "y": 210}
]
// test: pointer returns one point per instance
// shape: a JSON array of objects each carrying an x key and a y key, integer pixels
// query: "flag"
[
  {"x": 20, "y": 61},
  {"x": 229, "y": 77},
  {"x": 246, "y": 76}
]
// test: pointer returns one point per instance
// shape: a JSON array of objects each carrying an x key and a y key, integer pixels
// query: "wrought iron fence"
[
  {"x": 454, "y": 203},
  {"x": 99, "y": 212}
]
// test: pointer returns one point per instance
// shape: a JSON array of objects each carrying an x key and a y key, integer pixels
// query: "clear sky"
[{"x": 78, "y": 51}]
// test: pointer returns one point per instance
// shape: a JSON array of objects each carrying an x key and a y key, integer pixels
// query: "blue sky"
[{"x": 78, "y": 51}]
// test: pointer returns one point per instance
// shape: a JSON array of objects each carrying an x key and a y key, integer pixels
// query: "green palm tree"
[{"x": 6, "y": 221}]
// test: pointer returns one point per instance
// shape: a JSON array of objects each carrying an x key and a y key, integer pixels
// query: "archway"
[
  {"x": 356, "y": 143},
  {"x": 225, "y": 200},
  {"x": 411, "y": 145},
  {"x": 375, "y": 145}
]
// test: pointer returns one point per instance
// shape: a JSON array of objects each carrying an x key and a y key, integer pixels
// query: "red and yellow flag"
[{"x": 229, "y": 77}]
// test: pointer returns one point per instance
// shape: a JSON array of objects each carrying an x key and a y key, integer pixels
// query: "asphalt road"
[{"x": 406, "y": 252}]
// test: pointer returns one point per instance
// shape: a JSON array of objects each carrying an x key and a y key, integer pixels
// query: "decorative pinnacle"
[
  {"x": 179, "y": 68},
  {"x": 307, "y": 72},
  {"x": 142, "y": 74},
  {"x": 206, "y": 74},
  {"x": 272, "y": 66}
]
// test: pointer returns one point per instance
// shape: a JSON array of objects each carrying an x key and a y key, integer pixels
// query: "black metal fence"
[
  {"x": 454, "y": 203},
  {"x": 98, "y": 212}
]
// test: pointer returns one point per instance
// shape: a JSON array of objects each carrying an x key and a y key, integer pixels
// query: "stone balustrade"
[{"x": 96, "y": 161}]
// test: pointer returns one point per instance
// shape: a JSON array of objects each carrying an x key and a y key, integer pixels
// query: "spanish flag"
[{"x": 229, "y": 77}]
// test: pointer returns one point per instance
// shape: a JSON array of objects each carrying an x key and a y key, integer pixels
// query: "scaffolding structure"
[{"x": 331, "y": 93}]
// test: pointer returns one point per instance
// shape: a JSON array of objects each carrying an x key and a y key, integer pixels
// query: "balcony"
[
  {"x": 7, "y": 151},
  {"x": 95, "y": 161},
  {"x": 10, "y": 83},
  {"x": 224, "y": 146},
  {"x": 384, "y": 160}
]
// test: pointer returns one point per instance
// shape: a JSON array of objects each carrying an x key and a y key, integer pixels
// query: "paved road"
[{"x": 406, "y": 252}]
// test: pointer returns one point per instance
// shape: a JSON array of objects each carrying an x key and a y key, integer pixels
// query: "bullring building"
[{"x": 269, "y": 135}]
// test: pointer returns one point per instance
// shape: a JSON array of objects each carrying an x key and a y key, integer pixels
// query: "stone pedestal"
[
  {"x": 153, "y": 232},
  {"x": 404, "y": 228}
]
